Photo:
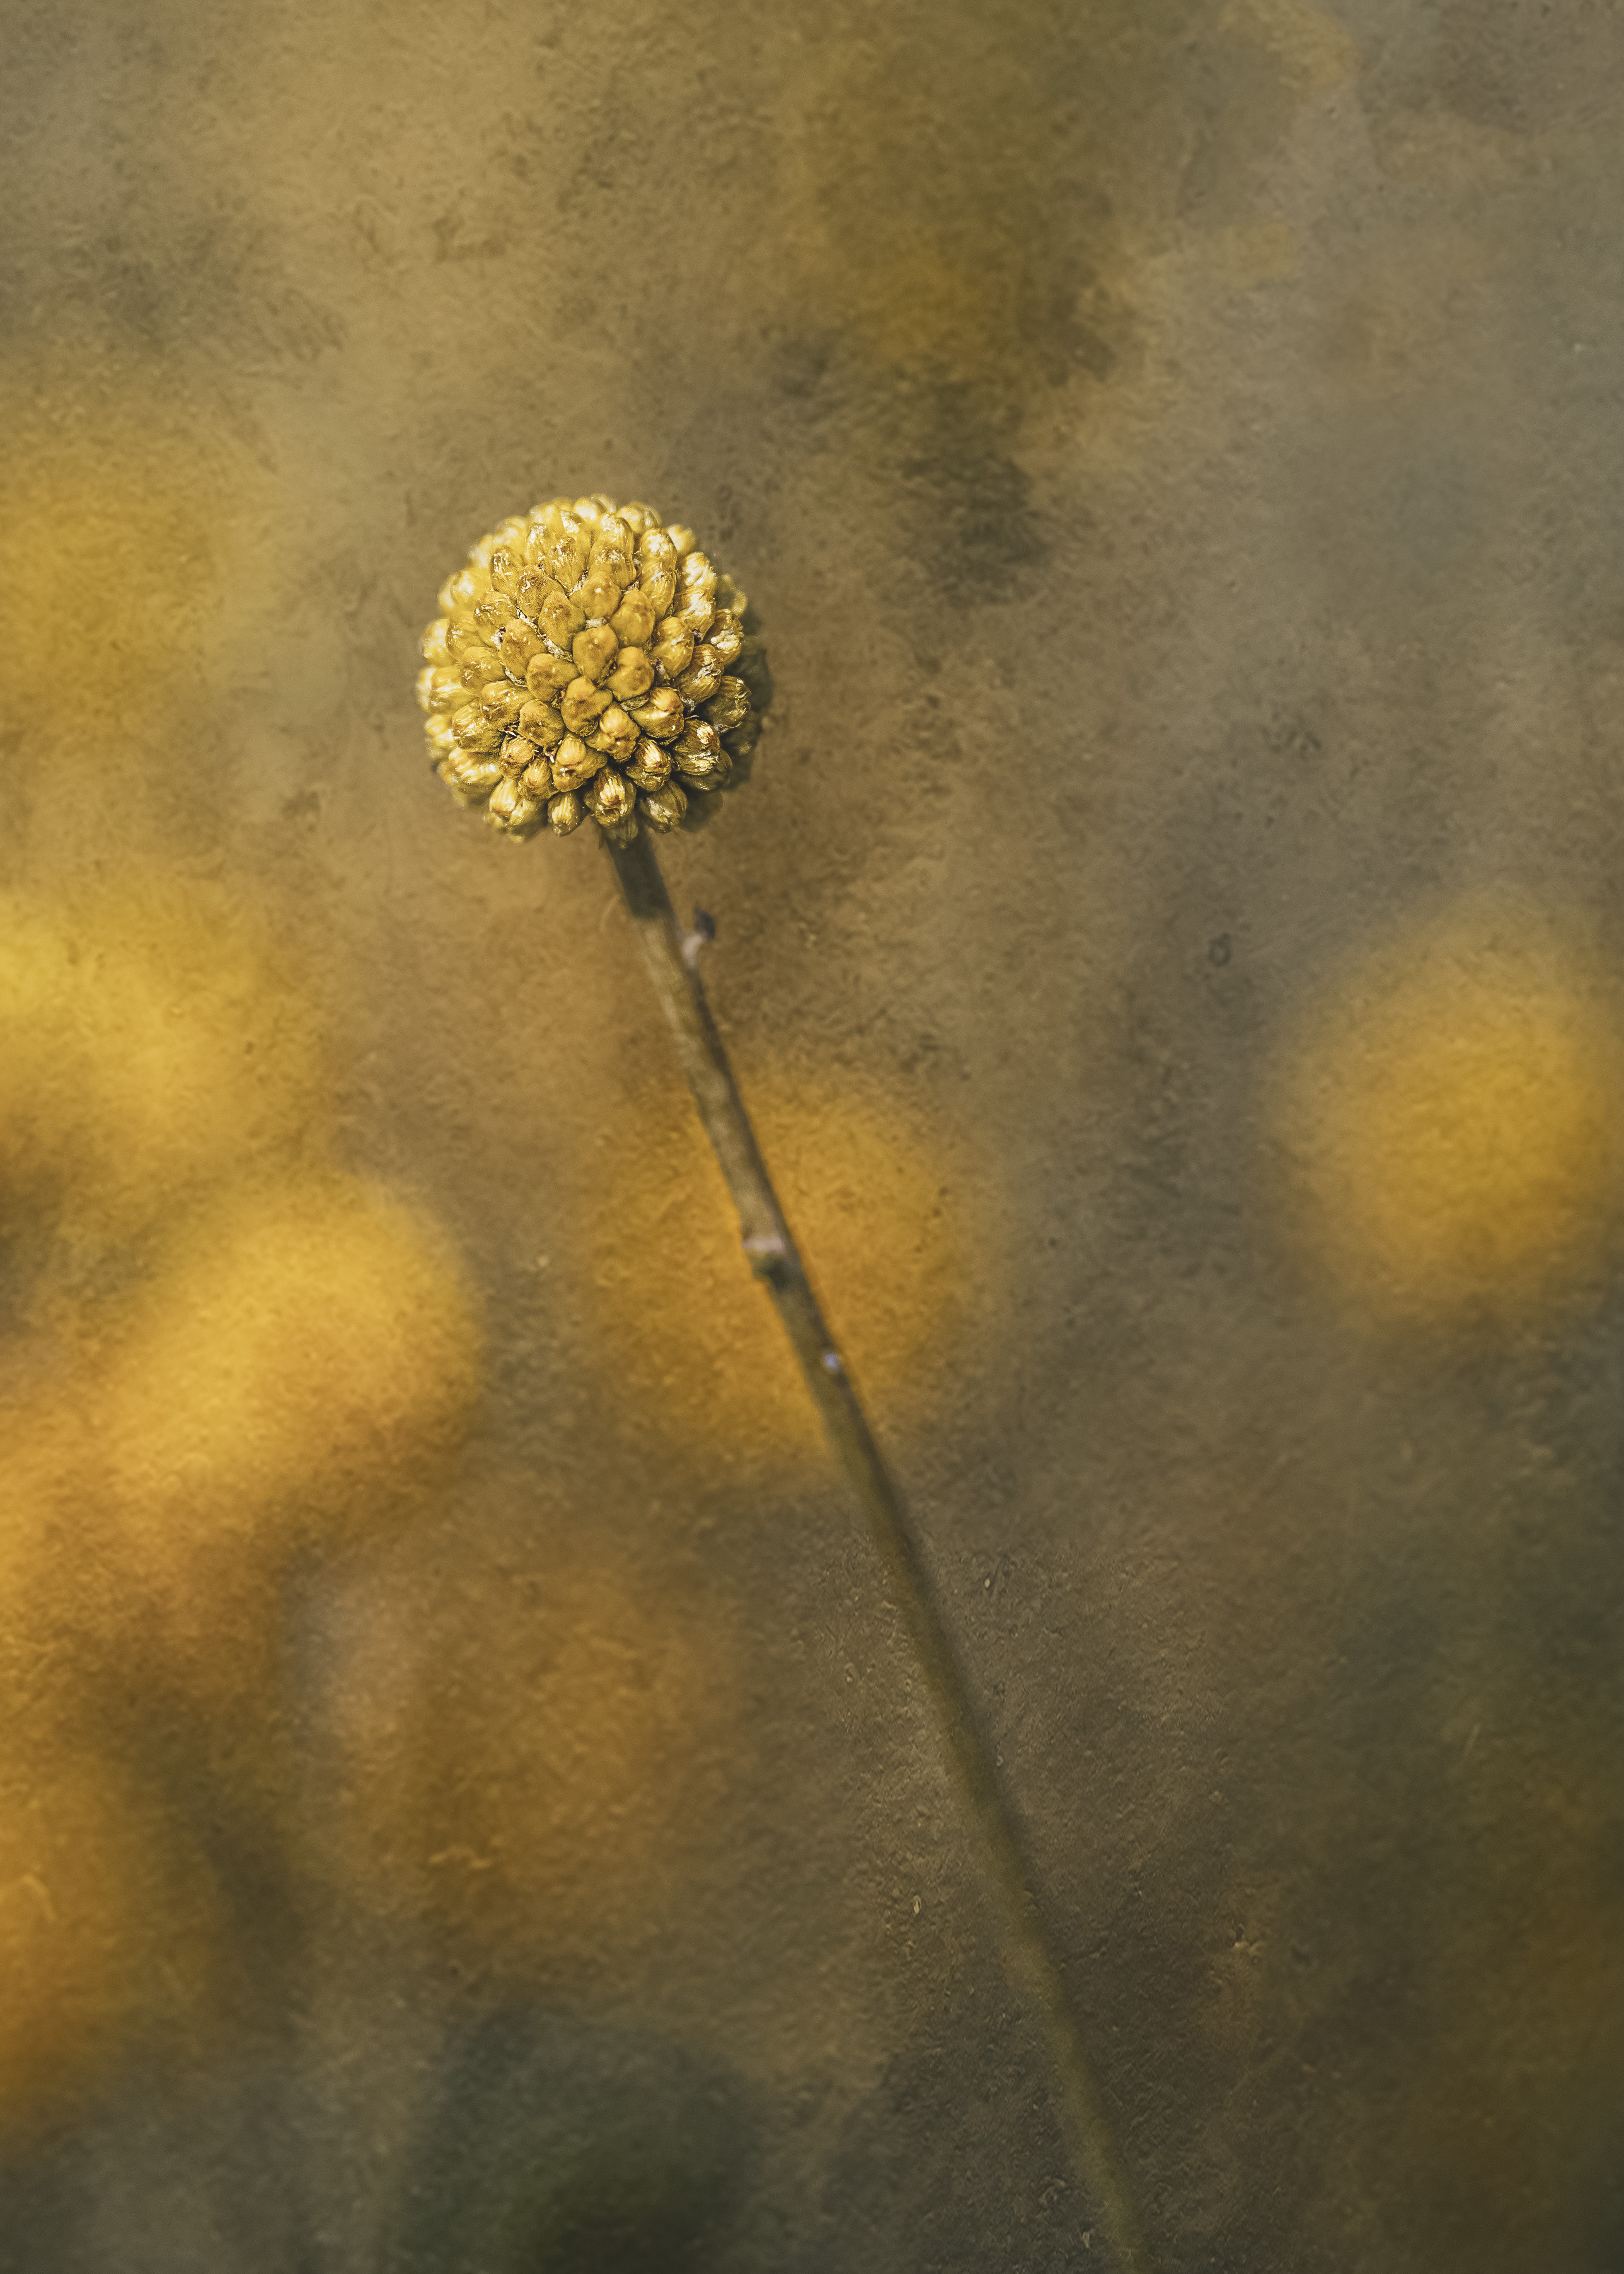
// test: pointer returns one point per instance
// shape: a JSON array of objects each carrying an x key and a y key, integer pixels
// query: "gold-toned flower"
[{"x": 590, "y": 663}]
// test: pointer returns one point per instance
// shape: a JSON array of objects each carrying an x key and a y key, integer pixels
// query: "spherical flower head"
[{"x": 589, "y": 664}]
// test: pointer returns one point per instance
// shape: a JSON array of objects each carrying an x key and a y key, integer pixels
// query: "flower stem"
[{"x": 1029, "y": 1961}]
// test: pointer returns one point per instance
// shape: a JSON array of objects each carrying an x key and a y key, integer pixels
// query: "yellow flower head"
[{"x": 589, "y": 664}]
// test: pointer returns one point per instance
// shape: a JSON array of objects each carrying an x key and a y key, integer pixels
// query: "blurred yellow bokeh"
[
  {"x": 151, "y": 1036},
  {"x": 532, "y": 1760},
  {"x": 121, "y": 523},
  {"x": 890, "y": 1220},
  {"x": 104, "y": 1923},
  {"x": 1453, "y": 1115},
  {"x": 307, "y": 1349}
]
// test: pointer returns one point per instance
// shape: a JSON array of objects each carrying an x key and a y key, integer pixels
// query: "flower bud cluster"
[{"x": 583, "y": 669}]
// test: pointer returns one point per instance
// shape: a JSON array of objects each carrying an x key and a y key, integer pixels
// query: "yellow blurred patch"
[
  {"x": 1454, "y": 1117},
  {"x": 103, "y": 1924},
  {"x": 531, "y": 1762},
  {"x": 888, "y": 1222},
  {"x": 120, "y": 530},
  {"x": 308, "y": 1349},
  {"x": 150, "y": 1037}
]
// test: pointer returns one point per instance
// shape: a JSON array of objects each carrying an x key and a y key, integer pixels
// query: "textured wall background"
[{"x": 455, "y": 1748}]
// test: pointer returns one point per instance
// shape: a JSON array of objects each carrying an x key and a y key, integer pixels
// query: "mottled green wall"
[{"x": 455, "y": 1740}]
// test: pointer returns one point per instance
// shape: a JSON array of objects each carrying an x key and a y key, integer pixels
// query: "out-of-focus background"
[{"x": 463, "y": 1800}]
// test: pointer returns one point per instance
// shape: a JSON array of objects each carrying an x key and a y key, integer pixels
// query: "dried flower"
[{"x": 590, "y": 663}]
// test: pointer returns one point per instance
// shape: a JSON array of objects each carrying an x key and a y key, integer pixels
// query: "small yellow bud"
[
  {"x": 565, "y": 813},
  {"x": 519, "y": 642},
  {"x": 682, "y": 539},
  {"x": 656, "y": 551},
  {"x": 673, "y": 649},
  {"x": 650, "y": 765},
  {"x": 513, "y": 809},
  {"x": 611, "y": 797},
  {"x": 561, "y": 617},
  {"x": 598, "y": 595},
  {"x": 659, "y": 714},
  {"x": 730, "y": 707},
  {"x": 574, "y": 765},
  {"x": 507, "y": 566},
  {"x": 548, "y": 673},
  {"x": 594, "y": 650},
  {"x": 458, "y": 594},
  {"x": 473, "y": 730},
  {"x": 616, "y": 736},
  {"x": 434, "y": 646},
  {"x": 583, "y": 705},
  {"x": 663, "y": 809},
  {"x": 633, "y": 621},
  {"x": 541, "y": 722},
  {"x": 693, "y": 611},
  {"x": 612, "y": 549},
  {"x": 633, "y": 675},
  {"x": 702, "y": 677},
  {"x": 538, "y": 778},
  {"x": 502, "y": 702},
  {"x": 658, "y": 587},
  {"x": 495, "y": 610},
  {"x": 639, "y": 516},
  {"x": 473, "y": 778},
  {"x": 516, "y": 752},
  {"x": 726, "y": 635}
]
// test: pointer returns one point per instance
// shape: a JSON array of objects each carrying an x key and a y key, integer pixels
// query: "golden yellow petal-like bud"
[
  {"x": 699, "y": 683},
  {"x": 726, "y": 635},
  {"x": 650, "y": 765},
  {"x": 548, "y": 673},
  {"x": 598, "y": 595},
  {"x": 512, "y": 808},
  {"x": 693, "y": 611},
  {"x": 674, "y": 646},
  {"x": 633, "y": 621},
  {"x": 495, "y": 610},
  {"x": 611, "y": 797},
  {"x": 519, "y": 642},
  {"x": 730, "y": 707},
  {"x": 659, "y": 714},
  {"x": 542, "y": 722},
  {"x": 574, "y": 765},
  {"x": 581, "y": 663},
  {"x": 561, "y": 617},
  {"x": 633, "y": 675},
  {"x": 565, "y": 550},
  {"x": 472, "y": 777},
  {"x": 663, "y": 809},
  {"x": 616, "y": 736},
  {"x": 699, "y": 739},
  {"x": 614, "y": 547},
  {"x": 656, "y": 551},
  {"x": 508, "y": 566},
  {"x": 473, "y": 730},
  {"x": 501, "y": 701},
  {"x": 594, "y": 650}
]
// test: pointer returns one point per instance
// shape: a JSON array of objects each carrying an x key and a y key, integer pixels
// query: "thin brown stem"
[{"x": 1028, "y": 1957}]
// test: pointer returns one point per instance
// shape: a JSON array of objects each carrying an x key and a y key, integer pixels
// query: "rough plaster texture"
[{"x": 1173, "y": 448}]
